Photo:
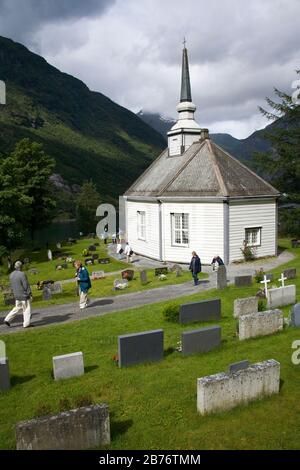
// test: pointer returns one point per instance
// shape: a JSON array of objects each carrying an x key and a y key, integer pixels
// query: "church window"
[
  {"x": 180, "y": 228},
  {"x": 141, "y": 225},
  {"x": 253, "y": 236}
]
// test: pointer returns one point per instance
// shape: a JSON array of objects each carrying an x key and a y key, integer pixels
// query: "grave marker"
[
  {"x": 143, "y": 277},
  {"x": 221, "y": 277},
  {"x": 202, "y": 311},
  {"x": 244, "y": 306},
  {"x": 281, "y": 296},
  {"x": 236, "y": 366},
  {"x": 68, "y": 365},
  {"x": 242, "y": 281},
  {"x": 295, "y": 316},
  {"x": 260, "y": 324},
  {"x": 159, "y": 271},
  {"x": 137, "y": 348},
  {"x": 200, "y": 340},
  {"x": 47, "y": 293},
  {"x": 290, "y": 273},
  {"x": 4, "y": 374}
]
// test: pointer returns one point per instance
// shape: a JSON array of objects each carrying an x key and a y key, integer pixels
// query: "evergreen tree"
[
  {"x": 25, "y": 192},
  {"x": 282, "y": 163},
  {"x": 87, "y": 202}
]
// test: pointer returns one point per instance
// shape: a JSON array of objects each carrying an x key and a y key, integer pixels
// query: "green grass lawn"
[{"x": 153, "y": 406}]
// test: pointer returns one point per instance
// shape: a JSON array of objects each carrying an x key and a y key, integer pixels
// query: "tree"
[
  {"x": 282, "y": 163},
  {"x": 25, "y": 192},
  {"x": 87, "y": 202}
]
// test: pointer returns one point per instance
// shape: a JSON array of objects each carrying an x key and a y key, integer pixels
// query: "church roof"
[{"x": 203, "y": 170}]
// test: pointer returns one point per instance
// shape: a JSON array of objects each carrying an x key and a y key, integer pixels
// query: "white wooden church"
[{"x": 197, "y": 197}]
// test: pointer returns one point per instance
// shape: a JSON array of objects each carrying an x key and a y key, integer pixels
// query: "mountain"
[
  {"x": 90, "y": 136},
  {"x": 242, "y": 149}
]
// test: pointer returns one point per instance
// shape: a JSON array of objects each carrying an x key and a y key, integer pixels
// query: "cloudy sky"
[{"x": 130, "y": 50}]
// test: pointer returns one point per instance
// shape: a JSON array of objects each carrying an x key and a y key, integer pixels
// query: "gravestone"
[
  {"x": 26, "y": 261},
  {"x": 224, "y": 391},
  {"x": 290, "y": 273},
  {"x": 92, "y": 248},
  {"x": 33, "y": 271},
  {"x": 236, "y": 366},
  {"x": 200, "y": 340},
  {"x": 295, "y": 243},
  {"x": 178, "y": 271},
  {"x": 57, "y": 288},
  {"x": 242, "y": 281},
  {"x": 270, "y": 277},
  {"x": 281, "y": 296},
  {"x": 137, "y": 348},
  {"x": 8, "y": 298},
  {"x": 159, "y": 271},
  {"x": 120, "y": 284},
  {"x": 80, "y": 429},
  {"x": 47, "y": 293},
  {"x": 4, "y": 374},
  {"x": 98, "y": 275},
  {"x": 68, "y": 365},
  {"x": 104, "y": 260},
  {"x": 143, "y": 277},
  {"x": 295, "y": 316},
  {"x": 202, "y": 311},
  {"x": 174, "y": 268},
  {"x": 95, "y": 256},
  {"x": 260, "y": 324},
  {"x": 245, "y": 306},
  {"x": 88, "y": 261},
  {"x": 96, "y": 244},
  {"x": 128, "y": 274},
  {"x": 221, "y": 277}
]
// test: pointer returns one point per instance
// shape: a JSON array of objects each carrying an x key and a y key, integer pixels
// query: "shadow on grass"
[
  {"x": 281, "y": 249},
  {"x": 119, "y": 427},
  {"x": 169, "y": 351},
  {"x": 281, "y": 384},
  {"x": 90, "y": 369},
  {"x": 21, "y": 379}
]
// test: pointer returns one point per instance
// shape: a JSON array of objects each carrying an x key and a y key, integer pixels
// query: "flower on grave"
[
  {"x": 162, "y": 277},
  {"x": 69, "y": 259},
  {"x": 116, "y": 359}
]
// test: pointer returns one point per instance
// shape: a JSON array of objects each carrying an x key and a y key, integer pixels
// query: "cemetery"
[{"x": 213, "y": 371}]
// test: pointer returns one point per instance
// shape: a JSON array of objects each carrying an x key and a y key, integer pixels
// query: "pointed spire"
[{"x": 185, "y": 94}]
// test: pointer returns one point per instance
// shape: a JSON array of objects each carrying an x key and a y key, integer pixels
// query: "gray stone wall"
[{"x": 260, "y": 324}]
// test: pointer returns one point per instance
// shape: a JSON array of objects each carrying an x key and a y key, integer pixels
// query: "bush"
[
  {"x": 171, "y": 312},
  {"x": 261, "y": 305},
  {"x": 247, "y": 252},
  {"x": 259, "y": 275}
]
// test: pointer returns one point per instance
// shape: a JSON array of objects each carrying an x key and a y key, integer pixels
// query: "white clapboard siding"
[
  {"x": 205, "y": 231},
  {"x": 246, "y": 214},
  {"x": 150, "y": 246}
]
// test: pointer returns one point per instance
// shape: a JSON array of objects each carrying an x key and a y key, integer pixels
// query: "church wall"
[
  {"x": 247, "y": 214},
  {"x": 150, "y": 246},
  {"x": 205, "y": 231}
]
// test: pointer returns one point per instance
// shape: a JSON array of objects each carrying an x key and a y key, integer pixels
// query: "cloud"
[{"x": 131, "y": 51}]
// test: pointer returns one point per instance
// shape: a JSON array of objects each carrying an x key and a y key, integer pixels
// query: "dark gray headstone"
[
  {"x": 104, "y": 260},
  {"x": 242, "y": 281},
  {"x": 236, "y": 366},
  {"x": 290, "y": 273},
  {"x": 201, "y": 340},
  {"x": 33, "y": 271},
  {"x": 95, "y": 256},
  {"x": 92, "y": 248},
  {"x": 159, "y": 271},
  {"x": 143, "y": 277},
  {"x": 205, "y": 310},
  {"x": 295, "y": 316},
  {"x": 221, "y": 277},
  {"x": 270, "y": 276},
  {"x": 4, "y": 374},
  {"x": 137, "y": 348},
  {"x": 47, "y": 294},
  {"x": 295, "y": 243},
  {"x": 57, "y": 288},
  {"x": 88, "y": 261}
]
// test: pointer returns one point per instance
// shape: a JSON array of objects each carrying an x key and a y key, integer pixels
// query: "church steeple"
[
  {"x": 186, "y": 130},
  {"x": 185, "y": 94}
]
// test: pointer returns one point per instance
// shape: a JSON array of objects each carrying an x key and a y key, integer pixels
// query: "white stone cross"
[
  {"x": 265, "y": 282},
  {"x": 282, "y": 279}
]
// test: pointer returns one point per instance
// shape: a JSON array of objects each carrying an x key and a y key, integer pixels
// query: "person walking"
[
  {"x": 128, "y": 252},
  {"x": 195, "y": 267},
  {"x": 119, "y": 249},
  {"x": 84, "y": 283},
  {"x": 23, "y": 296}
]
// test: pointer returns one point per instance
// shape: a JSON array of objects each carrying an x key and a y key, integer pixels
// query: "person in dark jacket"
[
  {"x": 22, "y": 293},
  {"x": 195, "y": 267},
  {"x": 84, "y": 283},
  {"x": 217, "y": 260}
]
